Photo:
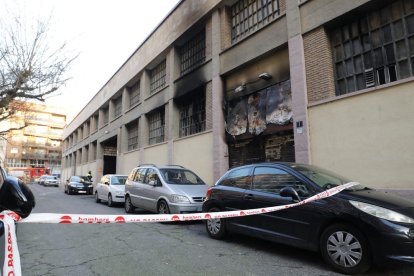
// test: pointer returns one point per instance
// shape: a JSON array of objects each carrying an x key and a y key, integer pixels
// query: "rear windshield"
[{"x": 181, "y": 177}]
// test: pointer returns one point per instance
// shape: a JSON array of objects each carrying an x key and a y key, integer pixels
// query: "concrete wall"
[
  {"x": 156, "y": 154},
  {"x": 368, "y": 136},
  {"x": 196, "y": 153}
]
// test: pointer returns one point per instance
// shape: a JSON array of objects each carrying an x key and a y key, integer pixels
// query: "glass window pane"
[
  {"x": 386, "y": 32},
  {"x": 358, "y": 64},
  {"x": 360, "y": 81},
  {"x": 357, "y": 46},
  {"x": 336, "y": 37},
  {"x": 389, "y": 50},
  {"x": 409, "y": 23},
  {"x": 341, "y": 87},
  {"x": 401, "y": 49},
  {"x": 364, "y": 25},
  {"x": 398, "y": 29},
  {"x": 349, "y": 67},
  {"x": 354, "y": 29},
  {"x": 392, "y": 72},
  {"x": 366, "y": 43},
  {"x": 376, "y": 38},
  {"x": 340, "y": 70},
  {"x": 345, "y": 33},
  {"x": 339, "y": 55},
  {"x": 408, "y": 6},
  {"x": 385, "y": 15},
  {"x": 396, "y": 10},
  {"x": 404, "y": 69},
  {"x": 347, "y": 49},
  {"x": 374, "y": 20},
  {"x": 378, "y": 59},
  {"x": 368, "y": 60},
  {"x": 351, "y": 84},
  {"x": 411, "y": 45}
]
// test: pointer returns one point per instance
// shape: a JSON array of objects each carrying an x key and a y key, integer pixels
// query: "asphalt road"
[{"x": 179, "y": 248}]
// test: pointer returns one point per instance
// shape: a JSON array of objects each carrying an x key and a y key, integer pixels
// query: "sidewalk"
[{"x": 406, "y": 193}]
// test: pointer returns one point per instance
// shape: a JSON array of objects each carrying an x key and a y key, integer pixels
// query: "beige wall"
[
  {"x": 128, "y": 161},
  {"x": 196, "y": 153},
  {"x": 368, "y": 137},
  {"x": 156, "y": 155}
]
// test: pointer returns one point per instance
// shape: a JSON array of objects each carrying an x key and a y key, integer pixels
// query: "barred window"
[
  {"x": 132, "y": 129},
  {"x": 156, "y": 123},
  {"x": 375, "y": 49},
  {"x": 117, "y": 107},
  {"x": 247, "y": 16},
  {"x": 158, "y": 75},
  {"x": 193, "y": 114},
  {"x": 193, "y": 52},
  {"x": 134, "y": 94}
]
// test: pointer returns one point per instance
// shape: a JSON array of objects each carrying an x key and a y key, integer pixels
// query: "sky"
[{"x": 104, "y": 33}]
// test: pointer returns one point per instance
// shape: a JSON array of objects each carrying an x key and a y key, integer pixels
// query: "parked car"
[
  {"x": 168, "y": 189},
  {"x": 78, "y": 184},
  {"x": 111, "y": 188},
  {"x": 351, "y": 229},
  {"x": 49, "y": 180}
]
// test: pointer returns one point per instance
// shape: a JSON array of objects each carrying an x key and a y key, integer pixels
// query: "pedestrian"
[{"x": 90, "y": 175}]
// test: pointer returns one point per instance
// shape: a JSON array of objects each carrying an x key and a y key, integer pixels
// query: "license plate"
[{"x": 82, "y": 192}]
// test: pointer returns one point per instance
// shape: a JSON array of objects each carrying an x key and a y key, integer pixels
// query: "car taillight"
[{"x": 208, "y": 194}]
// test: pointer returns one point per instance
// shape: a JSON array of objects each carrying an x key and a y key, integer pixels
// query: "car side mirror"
[{"x": 290, "y": 192}]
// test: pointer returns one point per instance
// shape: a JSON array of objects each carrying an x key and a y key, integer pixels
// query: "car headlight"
[
  {"x": 90, "y": 186},
  {"x": 380, "y": 212},
  {"x": 179, "y": 199}
]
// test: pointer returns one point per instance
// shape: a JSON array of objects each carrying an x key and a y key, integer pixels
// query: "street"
[{"x": 182, "y": 248}]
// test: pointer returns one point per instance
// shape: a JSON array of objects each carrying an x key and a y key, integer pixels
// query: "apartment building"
[
  {"x": 37, "y": 148},
  {"x": 221, "y": 83}
]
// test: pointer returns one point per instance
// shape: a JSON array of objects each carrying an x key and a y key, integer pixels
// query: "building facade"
[
  {"x": 35, "y": 149},
  {"x": 222, "y": 83}
]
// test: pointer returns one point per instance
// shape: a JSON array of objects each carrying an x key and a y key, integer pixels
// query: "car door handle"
[{"x": 249, "y": 197}]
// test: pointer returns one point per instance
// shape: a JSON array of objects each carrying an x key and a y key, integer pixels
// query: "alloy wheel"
[
  {"x": 214, "y": 226},
  {"x": 344, "y": 249}
]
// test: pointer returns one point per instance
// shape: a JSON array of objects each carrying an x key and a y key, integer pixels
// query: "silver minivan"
[{"x": 164, "y": 190}]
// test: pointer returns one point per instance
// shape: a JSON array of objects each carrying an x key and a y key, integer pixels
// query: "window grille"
[
  {"x": 118, "y": 107},
  {"x": 375, "y": 49},
  {"x": 158, "y": 77},
  {"x": 193, "y": 52},
  {"x": 134, "y": 94},
  {"x": 248, "y": 16},
  {"x": 193, "y": 114},
  {"x": 156, "y": 122},
  {"x": 132, "y": 135}
]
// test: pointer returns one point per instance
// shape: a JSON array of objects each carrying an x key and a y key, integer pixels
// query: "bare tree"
[{"x": 30, "y": 69}]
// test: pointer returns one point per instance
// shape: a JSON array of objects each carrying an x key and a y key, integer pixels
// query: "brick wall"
[
  {"x": 282, "y": 6},
  {"x": 225, "y": 27},
  {"x": 318, "y": 65},
  {"x": 209, "y": 106}
]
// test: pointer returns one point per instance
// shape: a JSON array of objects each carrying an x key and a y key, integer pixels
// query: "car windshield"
[
  {"x": 81, "y": 179},
  {"x": 181, "y": 177},
  {"x": 51, "y": 177},
  {"x": 324, "y": 178},
  {"x": 118, "y": 180}
]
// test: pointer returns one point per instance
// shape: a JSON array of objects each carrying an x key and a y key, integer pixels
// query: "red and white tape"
[{"x": 13, "y": 258}]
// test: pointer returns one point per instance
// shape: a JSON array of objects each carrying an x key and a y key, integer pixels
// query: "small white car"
[{"x": 111, "y": 189}]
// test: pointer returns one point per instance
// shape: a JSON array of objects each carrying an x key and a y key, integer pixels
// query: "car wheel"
[
  {"x": 129, "y": 208},
  {"x": 97, "y": 200},
  {"x": 216, "y": 228},
  {"x": 110, "y": 203},
  {"x": 69, "y": 192},
  {"x": 65, "y": 190},
  {"x": 163, "y": 207},
  {"x": 346, "y": 249}
]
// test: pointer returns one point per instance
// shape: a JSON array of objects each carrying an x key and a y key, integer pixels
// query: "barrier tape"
[{"x": 12, "y": 261}]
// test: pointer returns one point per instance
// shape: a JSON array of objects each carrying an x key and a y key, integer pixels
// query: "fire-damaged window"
[
  {"x": 132, "y": 129},
  {"x": 248, "y": 16},
  {"x": 375, "y": 49},
  {"x": 259, "y": 126},
  {"x": 158, "y": 77},
  {"x": 156, "y": 124},
  {"x": 193, "y": 113},
  {"x": 193, "y": 52}
]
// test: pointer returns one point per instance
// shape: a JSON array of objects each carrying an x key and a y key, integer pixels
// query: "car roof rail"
[
  {"x": 153, "y": 165},
  {"x": 176, "y": 166}
]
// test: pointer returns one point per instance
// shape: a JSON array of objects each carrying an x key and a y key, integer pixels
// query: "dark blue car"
[{"x": 352, "y": 229}]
